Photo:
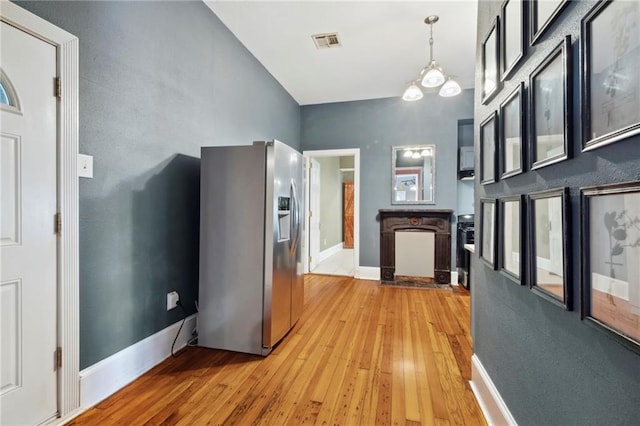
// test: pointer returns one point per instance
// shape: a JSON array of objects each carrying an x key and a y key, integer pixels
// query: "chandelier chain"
[{"x": 431, "y": 43}]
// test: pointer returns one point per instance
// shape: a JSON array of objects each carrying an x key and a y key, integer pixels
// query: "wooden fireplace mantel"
[{"x": 437, "y": 221}]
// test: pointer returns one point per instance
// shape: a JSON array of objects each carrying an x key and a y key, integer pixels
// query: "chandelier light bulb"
[
  {"x": 433, "y": 77},
  {"x": 408, "y": 153},
  {"x": 412, "y": 93},
  {"x": 416, "y": 155},
  {"x": 450, "y": 88}
]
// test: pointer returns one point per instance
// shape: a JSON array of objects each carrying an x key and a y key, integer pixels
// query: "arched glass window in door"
[
  {"x": 8, "y": 96},
  {"x": 4, "y": 98}
]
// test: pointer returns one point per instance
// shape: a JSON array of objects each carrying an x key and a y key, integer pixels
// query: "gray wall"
[
  {"x": 330, "y": 202},
  {"x": 465, "y": 187},
  {"x": 375, "y": 126},
  {"x": 465, "y": 197},
  {"x": 158, "y": 80},
  {"x": 347, "y": 163},
  {"x": 550, "y": 367}
]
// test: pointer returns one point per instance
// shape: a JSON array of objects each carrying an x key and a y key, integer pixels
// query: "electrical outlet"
[{"x": 172, "y": 300}]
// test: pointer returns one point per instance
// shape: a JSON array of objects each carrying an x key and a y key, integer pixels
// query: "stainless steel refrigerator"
[{"x": 251, "y": 272}]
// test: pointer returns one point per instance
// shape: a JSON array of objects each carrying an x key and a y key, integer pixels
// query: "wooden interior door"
[{"x": 347, "y": 224}]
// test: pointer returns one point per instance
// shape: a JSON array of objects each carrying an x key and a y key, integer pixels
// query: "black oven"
[{"x": 465, "y": 235}]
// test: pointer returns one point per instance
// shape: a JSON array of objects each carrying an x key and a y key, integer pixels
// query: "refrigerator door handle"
[{"x": 295, "y": 222}]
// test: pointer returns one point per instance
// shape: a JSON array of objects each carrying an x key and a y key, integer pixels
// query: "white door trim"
[
  {"x": 355, "y": 152},
  {"x": 68, "y": 302},
  {"x": 313, "y": 197}
]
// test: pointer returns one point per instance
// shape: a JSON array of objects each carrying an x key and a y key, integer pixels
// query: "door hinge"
[
  {"x": 310, "y": 259},
  {"x": 58, "y": 223},
  {"x": 310, "y": 213},
  {"x": 57, "y": 358},
  {"x": 58, "y": 87}
]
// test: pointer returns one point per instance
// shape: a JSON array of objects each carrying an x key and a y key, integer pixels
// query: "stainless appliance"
[
  {"x": 465, "y": 235},
  {"x": 251, "y": 273}
]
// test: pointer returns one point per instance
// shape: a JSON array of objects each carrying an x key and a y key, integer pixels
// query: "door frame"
[
  {"x": 355, "y": 152},
  {"x": 307, "y": 215},
  {"x": 68, "y": 376}
]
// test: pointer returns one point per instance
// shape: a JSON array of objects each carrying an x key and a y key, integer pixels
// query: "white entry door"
[
  {"x": 314, "y": 214},
  {"x": 28, "y": 318}
]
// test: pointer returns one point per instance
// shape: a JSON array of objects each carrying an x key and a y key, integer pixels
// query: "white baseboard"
[
  {"x": 327, "y": 253},
  {"x": 543, "y": 263},
  {"x": 610, "y": 285},
  {"x": 111, "y": 374},
  {"x": 60, "y": 421},
  {"x": 368, "y": 273},
  {"x": 454, "y": 277},
  {"x": 495, "y": 411}
]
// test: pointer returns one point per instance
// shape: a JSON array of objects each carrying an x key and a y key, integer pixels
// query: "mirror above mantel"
[{"x": 412, "y": 174}]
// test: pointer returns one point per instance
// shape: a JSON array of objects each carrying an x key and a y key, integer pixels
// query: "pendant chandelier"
[{"x": 432, "y": 75}]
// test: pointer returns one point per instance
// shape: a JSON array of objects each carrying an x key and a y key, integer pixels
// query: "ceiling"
[{"x": 384, "y": 44}]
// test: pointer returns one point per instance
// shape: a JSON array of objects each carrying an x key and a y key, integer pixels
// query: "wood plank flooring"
[
  {"x": 361, "y": 354},
  {"x": 617, "y": 312}
]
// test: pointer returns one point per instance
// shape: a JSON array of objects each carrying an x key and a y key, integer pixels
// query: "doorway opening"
[{"x": 332, "y": 240}]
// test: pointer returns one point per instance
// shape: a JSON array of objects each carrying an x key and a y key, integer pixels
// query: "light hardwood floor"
[{"x": 361, "y": 354}]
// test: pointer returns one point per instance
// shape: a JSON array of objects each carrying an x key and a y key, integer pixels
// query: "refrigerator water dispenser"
[{"x": 284, "y": 219}]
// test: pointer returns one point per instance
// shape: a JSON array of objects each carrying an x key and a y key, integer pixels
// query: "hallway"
[
  {"x": 360, "y": 354},
  {"x": 340, "y": 263}
]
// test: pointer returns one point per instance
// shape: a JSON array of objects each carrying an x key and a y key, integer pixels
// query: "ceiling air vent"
[{"x": 325, "y": 41}]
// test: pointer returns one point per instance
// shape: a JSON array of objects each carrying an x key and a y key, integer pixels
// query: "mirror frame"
[{"x": 394, "y": 150}]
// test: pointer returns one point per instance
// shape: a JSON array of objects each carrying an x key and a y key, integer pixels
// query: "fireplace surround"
[{"x": 437, "y": 221}]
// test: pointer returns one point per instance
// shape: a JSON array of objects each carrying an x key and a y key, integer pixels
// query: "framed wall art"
[
  {"x": 610, "y": 75},
  {"x": 611, "y": 271},
  {"x": 549, "y": 241},
  {"x": 490, "y": 62},
  {"x": 542, "y": 14},
  {"x": 512, "y": 43},
  {"x": 511, "y": 236},
  {"x": 550, "y": 107},
  {"x": 512, "y": 133},
  {"x": 488, "y": 145},
  {"x": 488, "y": 221}
]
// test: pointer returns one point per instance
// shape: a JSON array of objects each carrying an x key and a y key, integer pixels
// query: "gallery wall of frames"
[{"x": 548, "y": 122}]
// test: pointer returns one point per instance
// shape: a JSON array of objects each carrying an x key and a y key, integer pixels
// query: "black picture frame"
[
  {"x": 508, "y": 142},
  {"x": 515, "y": 273},
  {"x": 488, "y": 148},
  {"x": 513, "y": 36},
  {"x": 487, "y": 243},
  {"x": 550, "y": 106},
  {"x": 542, "y": 14},
  {"x": 490, "y": 60},
  {"x": 610, "y": 278},
  {"x": 554, "y": 206},
  {"x": 611, "y": 99}
]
